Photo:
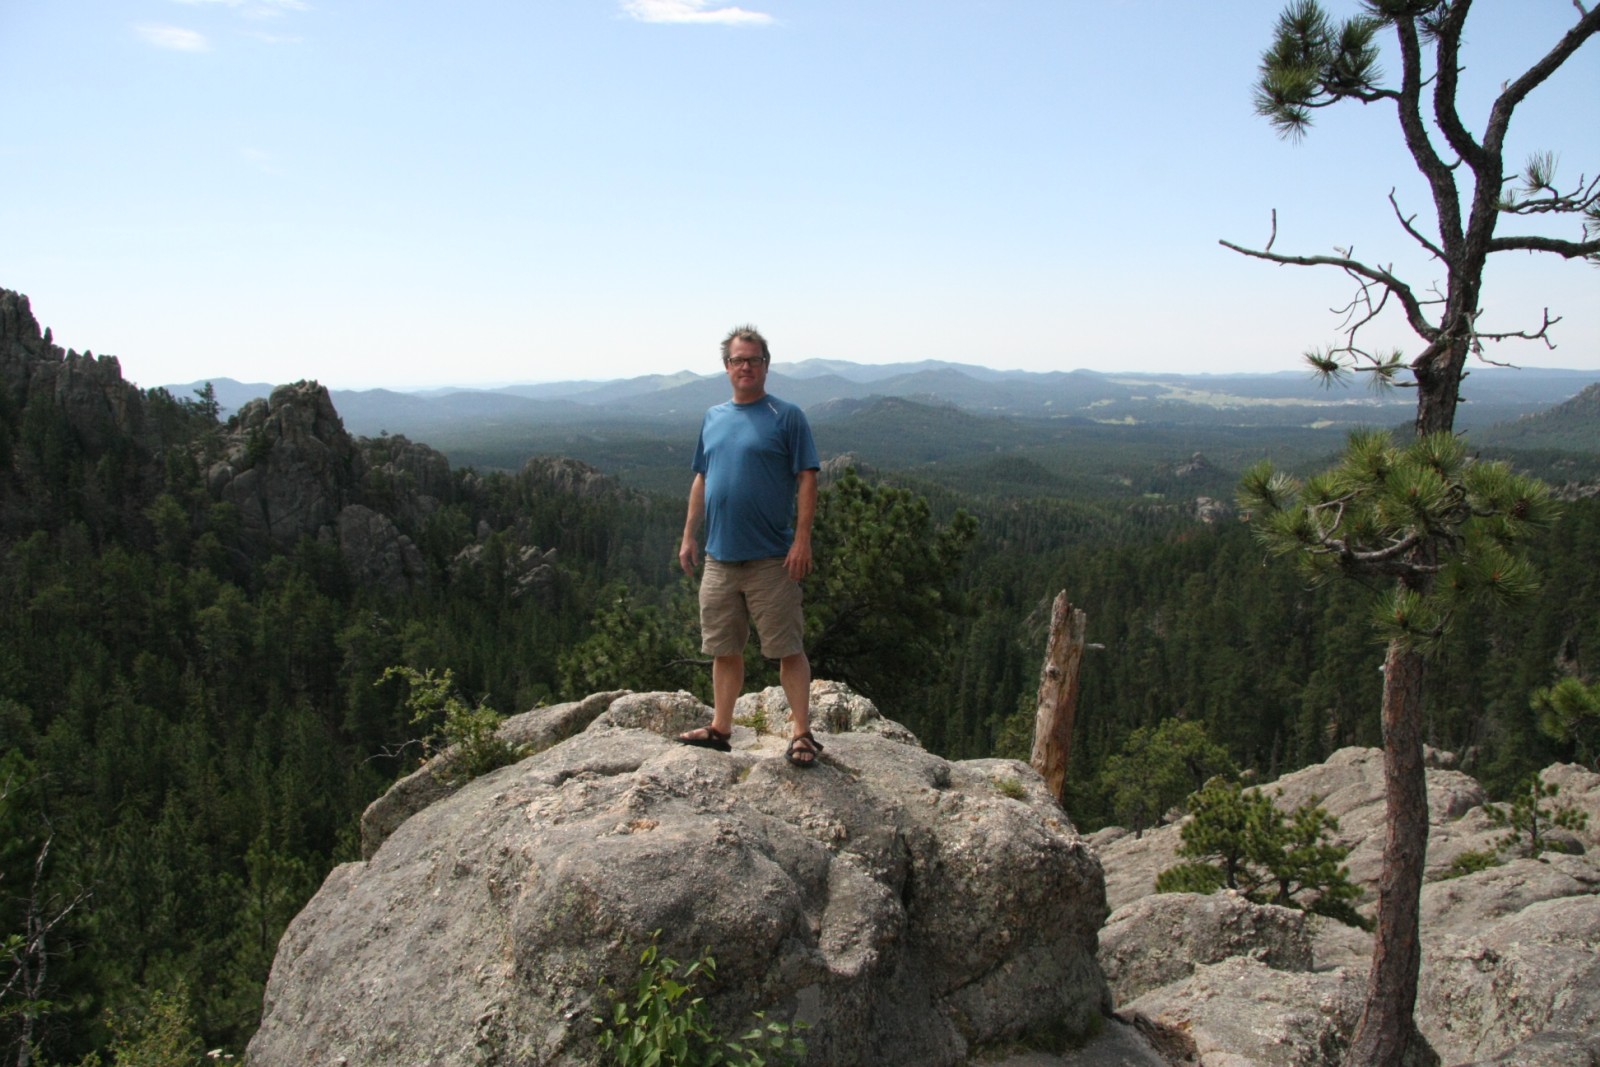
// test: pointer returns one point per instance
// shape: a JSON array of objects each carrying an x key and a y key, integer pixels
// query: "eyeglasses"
[{"x": 741, "y": 362}]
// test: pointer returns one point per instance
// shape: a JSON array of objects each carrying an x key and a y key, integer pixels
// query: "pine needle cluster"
[{"x": 1450, "y": 527}]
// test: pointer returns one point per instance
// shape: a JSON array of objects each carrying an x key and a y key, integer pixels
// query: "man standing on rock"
[{"x": 755, "y": 470}]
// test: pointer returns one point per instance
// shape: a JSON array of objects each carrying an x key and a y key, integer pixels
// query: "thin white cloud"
[
  {"x": 174, "y": 37},
  {"x": 700, "y": 11},
  {"x": 253, "y": 9}
]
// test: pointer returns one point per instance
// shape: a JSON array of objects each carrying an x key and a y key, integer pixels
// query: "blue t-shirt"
[{"x": 751, "y": 456}]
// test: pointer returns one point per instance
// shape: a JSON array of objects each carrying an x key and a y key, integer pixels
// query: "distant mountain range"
[{"x": 836, "y": 387}]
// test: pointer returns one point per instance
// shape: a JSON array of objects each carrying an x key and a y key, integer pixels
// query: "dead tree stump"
[{"x": 1058, "y": 694}]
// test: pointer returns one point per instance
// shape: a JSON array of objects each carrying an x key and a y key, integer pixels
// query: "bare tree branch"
[
  {"x": 1440, "y": 176},
  {"x": 1444, "y": 97},
  {"x": 1405, "y": 224},
  {"x": 1541, "y": 334},
  {"x": 1530, "y": 243},
  {"x": 1400, "y": 289},
  {"x": 1500, "y": 115}
]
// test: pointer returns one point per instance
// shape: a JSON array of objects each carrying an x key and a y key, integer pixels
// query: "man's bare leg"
[
  {"x": 727, "y": 680},
  {"x": 795, "y": 674}
]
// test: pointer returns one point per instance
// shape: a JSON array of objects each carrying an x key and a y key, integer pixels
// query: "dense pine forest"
[{"x": 194, "y": 705}]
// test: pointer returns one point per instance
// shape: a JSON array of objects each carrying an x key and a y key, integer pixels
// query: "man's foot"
[
  {"x": 802, "y": 751},
  {"x": 707, "y": 737}
]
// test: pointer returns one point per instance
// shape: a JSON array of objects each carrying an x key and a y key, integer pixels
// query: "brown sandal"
[
  {"x": 803, "y": 757},
  {"x": 707, "y": 737}
]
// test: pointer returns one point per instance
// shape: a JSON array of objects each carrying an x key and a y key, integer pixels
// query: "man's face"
[{"x": 747, "y": 371}]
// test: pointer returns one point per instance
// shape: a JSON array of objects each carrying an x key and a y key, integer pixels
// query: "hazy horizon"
[{"x": 779, "y": 366}]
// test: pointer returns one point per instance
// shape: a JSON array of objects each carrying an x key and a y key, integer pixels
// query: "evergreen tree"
[
  {"x": 880, "y": 601},
  {"x": 1239, "y": 839},
  {"x": 1569, "y": 712},
  {"x": 1314, "y": 63},
  {"x": 1528, "y": 819},
  {"x": 1158, "y": 768},
  {"x": 1448, "y": 532}
]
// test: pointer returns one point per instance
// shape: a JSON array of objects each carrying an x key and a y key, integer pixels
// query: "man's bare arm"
[
  {"x": 689, "y": 548},
  {"x": 799, "y": 559}
]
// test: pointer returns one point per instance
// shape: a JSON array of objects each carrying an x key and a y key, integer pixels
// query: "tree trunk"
[
  {"x": 1058, "y": 695},
  {"x": 1387, "y": 1036}
]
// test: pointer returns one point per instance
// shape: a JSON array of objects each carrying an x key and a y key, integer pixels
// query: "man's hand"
[
  {"x": 798, "y": 561},
  {"x": 689, "y": 556}
]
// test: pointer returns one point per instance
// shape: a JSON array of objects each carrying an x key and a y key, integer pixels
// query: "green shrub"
[
  {"x": 467, "y": 736},
  {"x": 1010, "y": 787},
  {"x": 662, "y": 1023},
  {"x": 1471, "y": 862}
]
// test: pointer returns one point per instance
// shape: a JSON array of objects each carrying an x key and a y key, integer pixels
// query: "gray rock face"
[
  {"x": 1511, "y": 954},
  {"x": 88, "y": 390},
  {"x": 523, "y": 568},
  {"x": 533, "y": 730},
  {"x": 1242, "y": 1013},
  {"x": 292, "y": 471},
  {"x": 1536, "y": 971},
  {"x": 1161, "y": 939},
  {"x": 912, "y": 910},
  {"x": 412, "y": 477},
  {"x": 290, "y": 466},
  {"x": 376, "y": 552},
  {"x": 574, "y": 477}
]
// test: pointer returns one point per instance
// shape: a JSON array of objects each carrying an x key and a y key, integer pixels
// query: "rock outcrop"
[
  {"x": 289, "y": 465},
  {"x": 911, "y": 909},
  {"x": 292, "y": 471},
  {"x": 87, "y": 390},
  {"x": 572, "y": 477},
  {"x": 1511, "y": 954},
  {"x": 1161, "y": 939}
]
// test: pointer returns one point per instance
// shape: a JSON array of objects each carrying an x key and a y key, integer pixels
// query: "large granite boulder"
[
  {"x": 1163, "y": 938},
  {"x": 1242, "y": 1013},
  {"x": 912, "y": 910}
]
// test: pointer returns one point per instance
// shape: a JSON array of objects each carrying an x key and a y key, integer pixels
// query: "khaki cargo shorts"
[{"x": 734, "y": 594}]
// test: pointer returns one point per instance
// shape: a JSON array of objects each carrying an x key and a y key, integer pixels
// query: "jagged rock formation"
[
  {"x": 834, "y": 467},
  {"x": 1210, "y": 510},
  {"x": 1511, "y": 954},
  {"x": 404, "y": 478},
  {"x": 522, "y": 567},
  {"x": 285, "y": 462},
  {"x": 573, "y": 477},
  {"x": 911, "y": 909},
  {"x": 292, "y": 471},
  {"x": 289, "y": 467},
  {"x": 87, "y": 389}
]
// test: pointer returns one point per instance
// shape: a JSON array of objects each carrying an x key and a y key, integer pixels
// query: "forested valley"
[{"x": 192, "y": 719}]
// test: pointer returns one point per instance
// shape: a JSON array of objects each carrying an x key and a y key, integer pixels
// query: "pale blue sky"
[{"x": 403, "y": 194}]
